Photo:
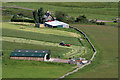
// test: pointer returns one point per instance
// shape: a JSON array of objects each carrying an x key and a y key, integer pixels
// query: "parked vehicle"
[{"x": 63, "y": 44}]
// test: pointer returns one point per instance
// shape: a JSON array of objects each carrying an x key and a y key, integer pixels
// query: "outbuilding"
[
  {"x": 26, "y": 54},
  {"x": 56, "y": 24}
]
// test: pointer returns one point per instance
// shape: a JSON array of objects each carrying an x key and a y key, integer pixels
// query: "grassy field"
[
  {"x": 23, "y": 39},
  {"x": 39, "y": 37},
  {"x": 105, "y": 64},
  {"x": 103, "y": 11},
  {"x": 36, "y": 69},
  {"x": 104, "y": 38},
  {"x": 29, "y": 28}
]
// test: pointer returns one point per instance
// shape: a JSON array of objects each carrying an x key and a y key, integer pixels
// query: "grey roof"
[{"x": 30, "y": 50}]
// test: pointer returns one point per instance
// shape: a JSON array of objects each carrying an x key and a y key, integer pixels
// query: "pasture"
[
  {"x": 18, "y": 38},
  {"x": 36, "y": 69},
  {"x": 105, "y": 63},
  {"x": 102, "y": 11},
  {"x": 104, "y": 38}
]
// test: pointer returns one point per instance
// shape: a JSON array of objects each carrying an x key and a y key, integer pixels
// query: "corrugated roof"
[
  {"x": 27, "y": 54},
  {"x": 56, "y": 23},
  {"x": 53, "y": 23},
  {"x": 30, "y": 50}
]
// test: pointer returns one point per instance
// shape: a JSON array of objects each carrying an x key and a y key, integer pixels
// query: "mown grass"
[
  {"x": 56, "y": 51},
  {"x": 39, "y": 36},
  {"x": 31, "y": 28},
  {"x": 104, "y": 11},
  {"x": 105, "y": 63},
  {"x": 31, "y": 69}
]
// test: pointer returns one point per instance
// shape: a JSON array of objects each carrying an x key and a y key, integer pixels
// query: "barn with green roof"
[{"x": 27, "y": 54}]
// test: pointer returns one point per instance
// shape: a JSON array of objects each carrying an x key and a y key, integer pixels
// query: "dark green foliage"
[
  {"x": 21, "y": 20},
  {"x": 70, "y": 19},
  {"x": 21, "y": 14},
  {"x": 82, "y": 19},
  {"x": 35, "y": 16},
  {"x": 38, "y": 15},
  {"x": 100, "y": 23},
  {"x": 61, "y": 16},
  {"x": 92, "y": 21},
  {"x": 15, "y": 16}
]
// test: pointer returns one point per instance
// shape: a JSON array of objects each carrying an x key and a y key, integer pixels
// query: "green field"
[
  {"x": 36, "y": 38},
  {"x": 102, "y": 11},
  {"x": 105, "y": 64},
  {"x": 104, "y": 38},
  {"x": 36, "y": 69}
]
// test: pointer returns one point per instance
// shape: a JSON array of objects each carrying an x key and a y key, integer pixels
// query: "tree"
[
  {"x": 35, "y": 16},
  {"x": 40, "y": 15},
  {"x": 82, "y": 19},
  {"x": 21, "y": 14},
  {"x": 14, "y": 16},
  {"x": 61, "y": 16}
]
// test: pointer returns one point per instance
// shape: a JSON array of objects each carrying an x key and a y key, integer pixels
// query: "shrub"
[
  {"x": 92, "y": 21},
  {"x": 82, "y": 19},
  {"x": 15, "y": 16},
  {"x": 70, "y": 19},
  {"x": 100, "y": 23},
  {"x": 61, "y": 16},
  {"x": 21, "y": 20}
]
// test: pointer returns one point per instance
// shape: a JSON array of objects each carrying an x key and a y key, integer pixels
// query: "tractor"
[{"x": 63, "y": 44}]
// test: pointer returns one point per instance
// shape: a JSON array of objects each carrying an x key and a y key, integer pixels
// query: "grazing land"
[
  {"x": 104, "y": 38},
  {"x": 105, "y": 64},
  {"x": 36, "y": 69},
  {"x": 37, "y": 39},
  {"x": 102, "y": 11}
]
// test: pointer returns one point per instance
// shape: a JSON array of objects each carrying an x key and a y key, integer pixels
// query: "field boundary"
[{"x": 89, "y": 60}]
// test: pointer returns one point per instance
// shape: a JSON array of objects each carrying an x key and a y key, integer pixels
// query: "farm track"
[
  {"x": 89, "y": 62},
  {"x": 74, "y": 49}
]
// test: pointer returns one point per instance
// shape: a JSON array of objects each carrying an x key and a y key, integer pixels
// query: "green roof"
[
  {"x": 27, "y": 54},
  {"x": 30, "y": 50}
]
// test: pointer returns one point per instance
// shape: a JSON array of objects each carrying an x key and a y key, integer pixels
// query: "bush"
[
  {"x": 15, "y": 16},
  {"x": 92, "y": 21},
  {"x": 70, "y": 19},
  {"x": 82, "y": 19},
  {"x": 61, "y": 16},
  {"x": 21, "y": 20},
  {"x": 100, "y": 23}
]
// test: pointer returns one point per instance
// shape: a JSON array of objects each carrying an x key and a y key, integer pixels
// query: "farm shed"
[
  {"x": 38, "y": 25},
  {"x": 38, "y": 55},
  {"x": 57, "y": 24}
]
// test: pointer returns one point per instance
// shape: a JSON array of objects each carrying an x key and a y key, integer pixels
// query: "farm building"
[
  {"x": 56, "y": 24},
  {"x": 25, "y": 54},
  {"x": 39, "y": 25}
]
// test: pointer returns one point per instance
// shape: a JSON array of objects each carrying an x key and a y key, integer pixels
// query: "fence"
[{"x": 89, "y": 60}]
